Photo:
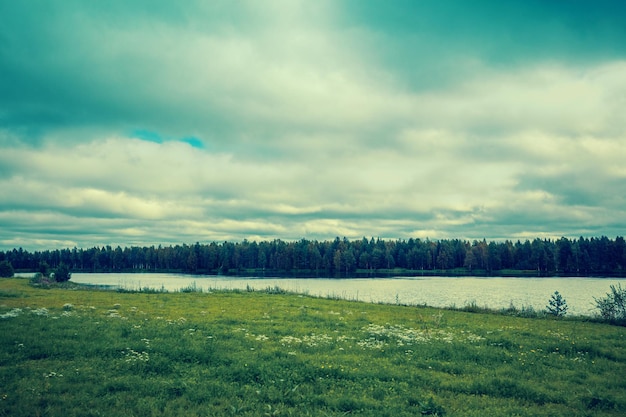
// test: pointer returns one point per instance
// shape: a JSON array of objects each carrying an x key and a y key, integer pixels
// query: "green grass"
[{"x": 76, "y": 352}]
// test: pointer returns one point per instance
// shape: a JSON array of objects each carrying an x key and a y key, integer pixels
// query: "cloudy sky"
[{"x": 158, "y": 122}]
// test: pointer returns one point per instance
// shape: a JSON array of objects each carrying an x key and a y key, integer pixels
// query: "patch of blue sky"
[
  {"x": 152, "y": 136},
  {"x": 147, "y": 135},
  {"x": 193, "y": 141}
]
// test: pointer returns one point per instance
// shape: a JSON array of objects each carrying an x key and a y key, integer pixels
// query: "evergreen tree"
[
  {"x": 557, "y": 306},
  {"x": 44, "y": 268},
  {"x": 6, "y": 269}
]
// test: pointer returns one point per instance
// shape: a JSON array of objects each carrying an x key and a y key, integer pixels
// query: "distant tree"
[
  {"x": 44, "y": 268},
  {"x": 337, "y": 261},
  {"x": 117, "y": 259},
  {"x": 564, "y": 254},
  {"x": 619, "y": 253},
  {"x": 62, "y": 273},
  {"x": 470, "y": 260},
  {"x": 364, "y": 260},
  {"x": 493, "y": 253},
  {"x": 444, "y": 258},
  {"x": 506, "y": 254},
  {"x": 6, "y": 269},
  {"x": 348, "y": 261},
  {"x": 192, "y": 261},
  {"x": 538, "y": 257},
  {"x": 377, "y": 258},
  {"x": 557, "y": 306},
  {"x": 315, "y": 258}
]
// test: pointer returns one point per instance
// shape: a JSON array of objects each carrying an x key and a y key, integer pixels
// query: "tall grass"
[{"x": 92, "y": 353}]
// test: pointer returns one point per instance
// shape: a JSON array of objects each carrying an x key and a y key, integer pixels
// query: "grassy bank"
[{"x": 76, "y": 352}]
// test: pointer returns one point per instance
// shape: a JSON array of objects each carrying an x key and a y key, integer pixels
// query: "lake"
[{"x": 492, "y": 292}]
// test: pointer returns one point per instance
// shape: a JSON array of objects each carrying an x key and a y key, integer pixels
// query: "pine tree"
[{"x": 557, "y": 306}]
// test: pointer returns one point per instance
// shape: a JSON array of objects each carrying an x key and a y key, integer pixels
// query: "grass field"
[{"x": 78, "y": 352}]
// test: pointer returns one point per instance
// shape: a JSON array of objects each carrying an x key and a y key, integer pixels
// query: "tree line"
[{"x": 345, "y": 258}]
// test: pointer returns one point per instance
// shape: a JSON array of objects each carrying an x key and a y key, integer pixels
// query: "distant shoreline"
[
  {"x": 343, "y": 258},
  {"x": 380, "y": 273}
]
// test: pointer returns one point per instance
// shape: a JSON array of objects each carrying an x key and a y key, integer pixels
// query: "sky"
[{"x": 159, "y": 122}]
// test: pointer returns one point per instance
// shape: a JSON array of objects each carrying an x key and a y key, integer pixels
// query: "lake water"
[{"x": 492, "y": 292}]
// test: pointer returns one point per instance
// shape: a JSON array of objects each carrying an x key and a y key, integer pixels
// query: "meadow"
[{"x": 76, "y": 351}]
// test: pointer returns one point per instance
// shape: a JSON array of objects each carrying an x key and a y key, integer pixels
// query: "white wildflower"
[
  {"x": 472, "y": 338},
  {"x": 11, "y": 314},
  {"x": 315, "y": 340},
  {"x": 290, "y": 340},
  {"x": 134, "y": 356},
  {"x": 371, "y": 343},
  {"x": 114, "y": 314},
  {"x": 406, "y": 336},
  {"x": 43, "y": 312}
]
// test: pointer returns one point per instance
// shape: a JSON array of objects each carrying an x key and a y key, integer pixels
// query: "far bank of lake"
[{"x": 492, "y": 292}]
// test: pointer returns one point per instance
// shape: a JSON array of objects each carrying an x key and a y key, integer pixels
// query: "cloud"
[{"x": 198, "y": 122}]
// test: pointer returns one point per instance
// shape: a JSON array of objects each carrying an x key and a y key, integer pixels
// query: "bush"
[
  {"x": 613, "y": 306},
  {"x": 39, "y": 280},
  {"x": 62, "y": 273},
  {"x": 431, "y": 408},
  {"x": 44, "y": 268},
  {"x": 6, "y": 269},
  {"x": 557, "y": 306}
]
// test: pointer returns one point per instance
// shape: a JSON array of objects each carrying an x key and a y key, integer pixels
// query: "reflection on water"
[{"x": 434, "y": 291}]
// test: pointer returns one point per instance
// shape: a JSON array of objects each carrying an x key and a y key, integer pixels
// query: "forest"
[{"x": 599, "y": 256}]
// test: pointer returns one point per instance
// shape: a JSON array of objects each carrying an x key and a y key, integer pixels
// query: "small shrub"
[
  {"x": 40, "y": 280},
  {"x": 529, "y": 312},
  {"x": 613, "y": 306},
  {"x": 557, "y": 306},
  {"x": 472, "y": 307},
  {"x": 431, "y": 408},
  {"x": 347, "y": 404},
  {"x": 6, "y": 269},
  {"x": 511, "y": 310},
  {"x": 191, "y": 288},
  {"x": 62, "y": 273},
  {"x": 275, "y": 290},
  {"x": 598, "y": 403}
]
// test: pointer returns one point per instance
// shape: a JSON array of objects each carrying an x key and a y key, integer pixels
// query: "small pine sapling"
[{"x": 557, "y": 306}]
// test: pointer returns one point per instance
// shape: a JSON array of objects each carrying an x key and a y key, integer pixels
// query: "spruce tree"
[{"x": 557, "y": 306}]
